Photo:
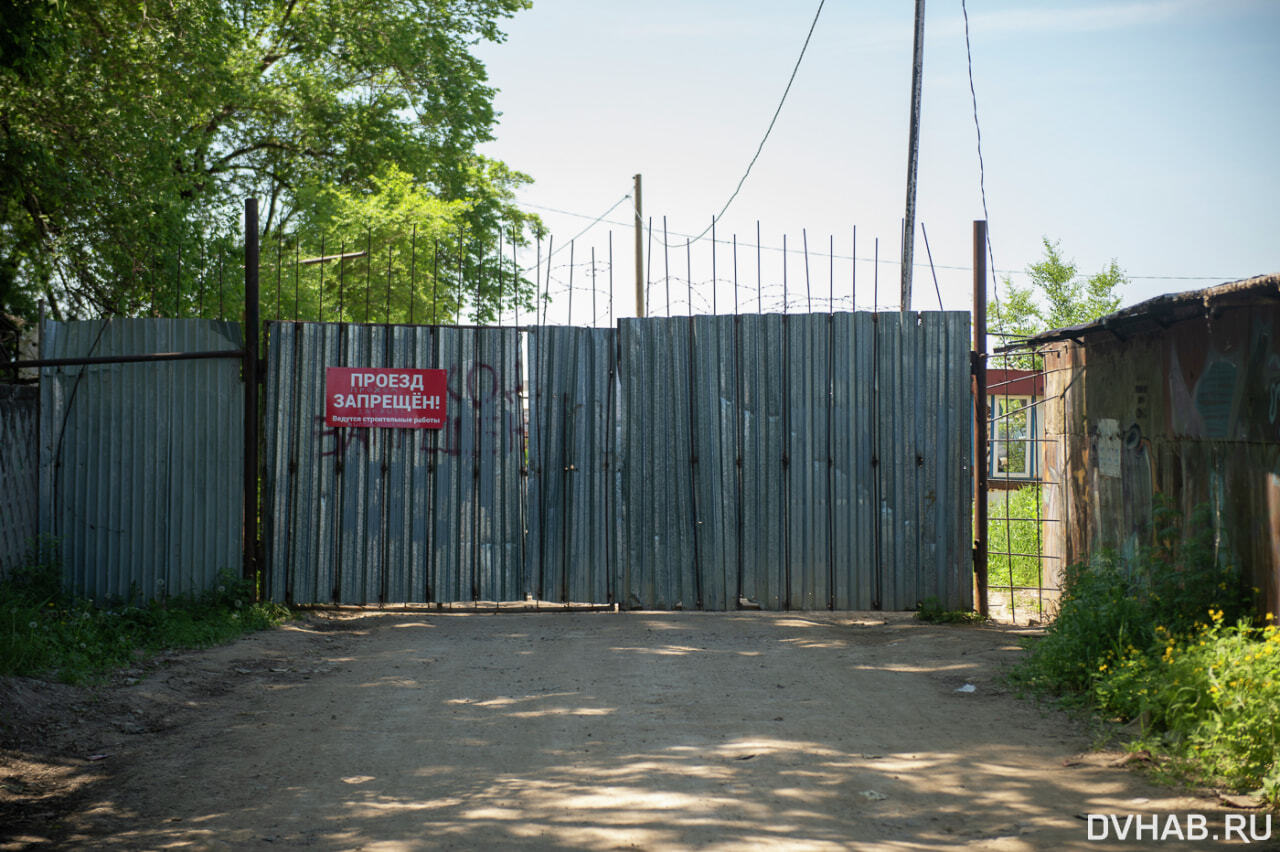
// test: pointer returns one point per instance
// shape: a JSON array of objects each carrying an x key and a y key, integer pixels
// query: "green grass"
[
  {"x": 49, "y": 634},
  {"x": 1020, "y": 534},
  {"x": 1166, "y": 638}
]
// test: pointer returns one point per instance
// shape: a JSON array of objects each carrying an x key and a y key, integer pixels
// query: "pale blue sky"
[{"x": 1147, "y": 131}]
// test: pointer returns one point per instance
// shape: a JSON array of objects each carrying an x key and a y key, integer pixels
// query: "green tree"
[
  {"x": 130, "y": 131},
  {"x": 1055, "y": 297}
]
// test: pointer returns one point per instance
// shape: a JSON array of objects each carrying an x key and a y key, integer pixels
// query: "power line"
[
  {"x": 982, "y": 174},
  {"x": 594, "y": 222},
  {"x": 772, "y": 122}
]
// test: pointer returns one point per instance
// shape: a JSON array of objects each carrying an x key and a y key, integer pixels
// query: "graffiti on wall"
[{"x": 1224, "y": 378}]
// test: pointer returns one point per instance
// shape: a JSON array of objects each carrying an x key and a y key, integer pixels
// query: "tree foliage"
[
  {"x": 131, "y": 131},
  {"x": 1055, "y": 298}
]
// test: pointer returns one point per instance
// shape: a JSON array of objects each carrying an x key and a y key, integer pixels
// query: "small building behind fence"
[{"x": 1177, "y": 396}]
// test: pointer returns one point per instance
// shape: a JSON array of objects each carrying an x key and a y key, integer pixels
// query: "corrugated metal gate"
[
  {"x": 782, "y": 461},
  {"x": 573, "y": 484},
  {"x": 796, "y": 461},
  {"x": 406, "y": 515}
]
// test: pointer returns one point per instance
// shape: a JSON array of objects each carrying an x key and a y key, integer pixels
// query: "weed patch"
[
  {"x": 933, "y": 611},
  {"x": 1165, "y": 637},
  {"x": 47, "y": 633}
]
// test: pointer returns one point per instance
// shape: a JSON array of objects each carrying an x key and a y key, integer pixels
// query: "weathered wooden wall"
[{"x": 1192, "y": 412}]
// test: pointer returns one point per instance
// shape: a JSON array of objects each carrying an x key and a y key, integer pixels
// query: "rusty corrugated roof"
[{"x": 1162, "y": 311}]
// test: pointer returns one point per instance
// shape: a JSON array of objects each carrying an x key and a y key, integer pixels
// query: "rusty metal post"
[
  {"x": 980, "y": 415},
  {"x": 249, "y": 543}
]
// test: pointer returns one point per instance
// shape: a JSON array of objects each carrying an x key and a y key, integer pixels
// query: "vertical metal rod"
[
  {"x": 666, "y": 263},
  {"x": 435, "y": 284},
  {"x": 640, "y": 266},
  {"x": 759, "y": 275},
  {"x": 204, "y": 270},
  {"x": 388, "y": 283},
  {"x": 501, "y": 277},
  {"x": 594, "y": 315},
  {"x": 368, "y": 275},
  {"x": 546, "y": 296},
  {"x": 714, "y": 309},
  {"x": 735, "y": 275},
  {"x": 250, "y": 527},
  {"x": 913, "y": 156},
  {"x": 784, "y": 274},
  {"x": 462, "y": 277},
  {"x": 569, "y": 322},
  {"x": 875, "y": 280},
  {"x": 537, "y": 283},
  {"x": 515, "y": 304},
  {"x": 342, "y": 280},
  {"x": 320, "y": 310},
  {"x": 980, "y": 415},
  {"x": 279, "y": 272},
  {"x": 853, "y": 277},
  {"x": 479, "y": 278},
  {"x": 831, "y": 273},
  {"x": 177, "y": 296},
  {"x": 648, "y": 282},
  {"x": 688, "y": 273},
  {"x": 808, "y": 291},
  {"x": 297, "y": 274},
  {"x": 611, "y": 279},
  {"x": 222, "y": 254},
  {"x": 151, "y": 269},
  {"x": 413, "y": 271},
  {"x": 929, "y": 253}
]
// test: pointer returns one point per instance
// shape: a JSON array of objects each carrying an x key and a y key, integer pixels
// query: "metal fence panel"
[
  {"x": 573, "y": 520},
  {"x": 923, "y": 434},
  {"x": 795, "y": 461},
  {"x": 394, "y": 515},
  {"x": 19, "y": 481},
  {"x": 658, "y": 560},
  {"x": 141, "y": 463}
]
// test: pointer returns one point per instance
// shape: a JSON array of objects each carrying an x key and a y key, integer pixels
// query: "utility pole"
[
  {"x": 913, "y": 152},
  {"x": 639, "y": 250}
]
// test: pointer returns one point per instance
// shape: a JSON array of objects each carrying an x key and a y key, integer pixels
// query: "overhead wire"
[
  {"x": 982, "y": 175},
  {"x": 772, "y": 121}
]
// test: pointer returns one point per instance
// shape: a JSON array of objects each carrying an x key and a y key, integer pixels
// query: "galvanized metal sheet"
[
  {"x": 141, "y": 463},
  {"x": 795, "y": 461},
  {"x": 19, "y": 482},
  {"x": 394, "y": 515},
  {"x": 573, "y": 482},
  {"x": 924, "y": 433}
]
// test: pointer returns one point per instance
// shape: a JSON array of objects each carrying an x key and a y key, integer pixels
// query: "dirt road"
[{"x": 574, "y": 731}]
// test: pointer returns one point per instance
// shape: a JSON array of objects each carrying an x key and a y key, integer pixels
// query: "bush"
[
  {"x": 1148, "y": 638},
  {"x": 1209, "y": 698},
  {"x": 45, "y": 632}
]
